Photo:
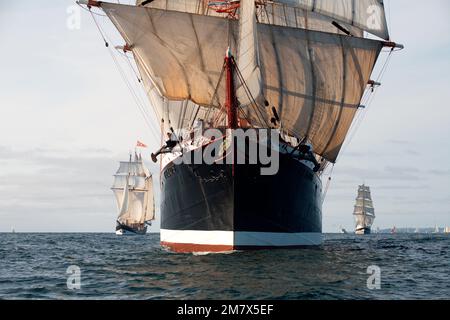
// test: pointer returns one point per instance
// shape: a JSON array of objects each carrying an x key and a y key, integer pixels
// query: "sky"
[{"x": 67, "y": 119}]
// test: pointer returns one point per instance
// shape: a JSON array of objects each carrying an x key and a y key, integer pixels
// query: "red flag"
[{"x": 140, "y": 144}]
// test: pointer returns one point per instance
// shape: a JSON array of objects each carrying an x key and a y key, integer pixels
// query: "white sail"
[
  {"x": 189, "y": 6},
  {"x": 294, "y": 14},
  {"x": 316, "y": 90},
  {"x": 132, "y": 168},
  {"x": 132, "y": 210},
  {"x": 368, "y": 15},
  {"x": 149, "y": 202},
  {"x": 134, "y": 192},
  {"x": 124, "y": 202},
  {"x": 118, "y": 193},
  {"x": 280, "y": 14},
  {"x": 182, "y": 53},
  {"x": 136, "y": 207},
  {"x": 315, "y": 81},
  {"x": 135, "y": 182},
  {"x": 364, "y": 211}
]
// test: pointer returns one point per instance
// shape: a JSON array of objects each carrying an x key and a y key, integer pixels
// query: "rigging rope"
[
  {"x": 99, "y": 29},
  {"x": 327, "y": 185},
  {"x": 367, "y": 100},
  {"x": 139, "y": 79},
  {"x": 136, "y": 99},
  {"x": 250, "y": 96},
  {"x": 97, "y": 14},
  {"x": 142, "y": 98},
  {"x": 216, "y": 90}
]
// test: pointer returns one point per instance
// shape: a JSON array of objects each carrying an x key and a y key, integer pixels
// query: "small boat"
[
  {"x": 436, "y": 229},
  {"x": 394, "y": 230},
  {"x": 133, "y": 189},
  {"x": 447, "y": 230}
]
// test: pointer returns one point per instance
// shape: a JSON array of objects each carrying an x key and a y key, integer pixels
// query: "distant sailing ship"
[
  {"x": 447, "y": 230},
  {"x": 394, "y": 230},
  {"x": 364, "y": 212},
  {"x": 298, "y": 67},
  {"x": 133, "y": 189},
  {"x": 436, "y": 229}
]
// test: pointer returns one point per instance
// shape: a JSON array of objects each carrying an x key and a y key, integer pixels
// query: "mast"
[
  {"x": 364, "y": 205},
  {"x": 230, "y": 102}
]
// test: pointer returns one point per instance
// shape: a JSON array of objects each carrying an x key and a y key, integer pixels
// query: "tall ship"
[
  {"x": 133, "y": 189},
  {"x": 364, "y": 211},
  {"x": 297, "y": 71}
]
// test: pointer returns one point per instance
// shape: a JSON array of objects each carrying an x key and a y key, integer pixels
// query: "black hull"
[
  {"x": 124, "y": 227},
  {"x": 240, "y": 206},
  {"x": 363, "y": 231}
]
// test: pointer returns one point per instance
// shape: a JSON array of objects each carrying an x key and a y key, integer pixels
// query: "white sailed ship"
[
  {"x": 364, "y": 212},
  {"x": 447, "y": 230},
  {"x": 133, "y": 189}
]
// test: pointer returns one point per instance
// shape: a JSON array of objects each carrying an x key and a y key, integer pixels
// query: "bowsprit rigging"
[{"x": 300, "y": 68}]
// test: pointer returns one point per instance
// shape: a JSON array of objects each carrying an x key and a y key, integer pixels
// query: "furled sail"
[
  {"x": 315, "y": 80},
  {"x": 367, "y": 15}
]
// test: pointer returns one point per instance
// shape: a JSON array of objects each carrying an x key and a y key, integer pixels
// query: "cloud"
[
  {"x": 439, "y": 172},
  {"x": 412, "y": 152},
  {"x": 71, "y": 119},
  {"x": 403, "y": 187},
  {"x": 53, "y": 184},
  {"x": 398, "y": 142},
  {"x": 389, "y": 173}
]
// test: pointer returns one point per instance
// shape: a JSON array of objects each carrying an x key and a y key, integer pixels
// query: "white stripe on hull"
[{"x": 240, "y": 238}]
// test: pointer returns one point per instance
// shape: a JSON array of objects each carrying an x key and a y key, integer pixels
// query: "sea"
[{"x": 106, "y": 266}]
